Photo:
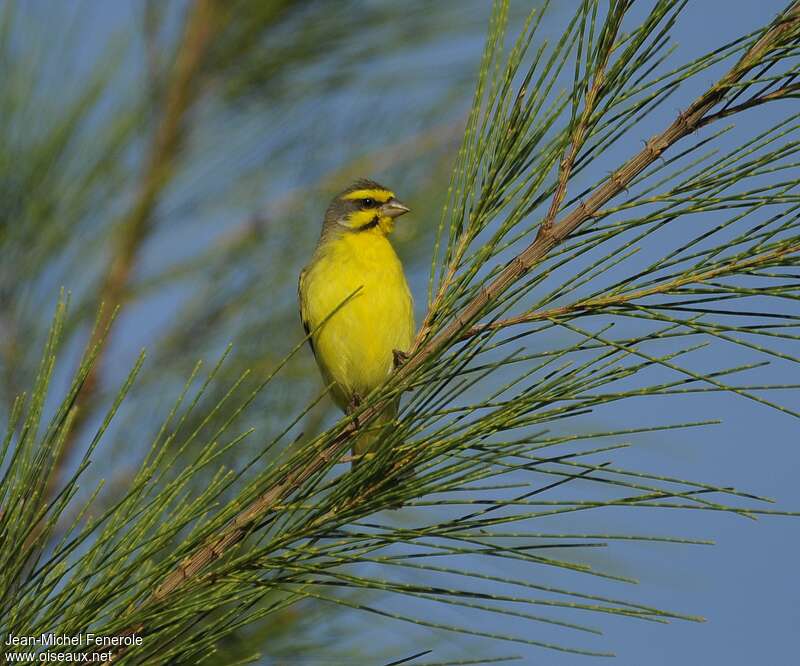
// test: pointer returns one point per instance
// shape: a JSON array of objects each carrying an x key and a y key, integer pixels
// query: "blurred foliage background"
[
  {"x": 172, "y": 160},
  {"x": 175, "y": 159}
]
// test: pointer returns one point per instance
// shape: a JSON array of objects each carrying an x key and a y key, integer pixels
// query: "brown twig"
[
  {"x": 781, "y": 93},
  {"x": 425, "y": 348},
  {"x": 576, "y": 140},
  {"x": 623, "y": 299},
  {"x": 580, "y": 128}
]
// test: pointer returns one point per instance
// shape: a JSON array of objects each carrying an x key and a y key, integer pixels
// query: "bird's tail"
[{"x": 368, "y": 442}]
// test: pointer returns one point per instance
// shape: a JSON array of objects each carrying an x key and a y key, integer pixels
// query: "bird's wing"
[{"x": 303, "y": 316}]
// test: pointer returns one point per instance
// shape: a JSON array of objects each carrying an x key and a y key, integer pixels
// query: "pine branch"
[
  {"x": 671, "y": 286},
  {"x": 327, "y": 451},
  {"x": 579, "y": 133},
  {"x": 784, "y": 92}
]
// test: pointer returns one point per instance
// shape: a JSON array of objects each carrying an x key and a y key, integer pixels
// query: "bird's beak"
[{"x": 393, "y": 208}]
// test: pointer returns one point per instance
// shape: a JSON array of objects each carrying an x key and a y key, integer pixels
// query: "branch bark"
[
  {"x": 623, "y": 299},
  {"x": 581, "y": 127}
]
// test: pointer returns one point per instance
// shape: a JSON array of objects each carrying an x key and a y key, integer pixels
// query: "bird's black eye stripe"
[{"x": 368, "y": 203}]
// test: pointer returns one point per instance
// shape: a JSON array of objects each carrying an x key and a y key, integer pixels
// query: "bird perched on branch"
[{"x": 355, "y": 301}]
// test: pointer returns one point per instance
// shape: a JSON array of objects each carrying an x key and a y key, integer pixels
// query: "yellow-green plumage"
[{"x": 355, "y": 269}]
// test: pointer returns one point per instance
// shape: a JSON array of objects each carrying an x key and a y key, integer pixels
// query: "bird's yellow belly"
[{"x": 354, "y": 347}]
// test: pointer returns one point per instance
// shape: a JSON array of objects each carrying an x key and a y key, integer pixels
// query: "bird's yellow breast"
[{"x": 354, "y": 346}]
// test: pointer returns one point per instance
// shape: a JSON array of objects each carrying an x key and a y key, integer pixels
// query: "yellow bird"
[{"x": 355, "y": 301}]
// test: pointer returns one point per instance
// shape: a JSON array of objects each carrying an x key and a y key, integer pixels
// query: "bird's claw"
[
  {"x": 353, "y": 405},
  {"x": 399, "y": 357}
]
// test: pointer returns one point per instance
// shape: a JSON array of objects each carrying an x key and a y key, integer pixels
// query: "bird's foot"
[
  {"x": 399, "y": 357},
  {"x": 353, "y": 405}
]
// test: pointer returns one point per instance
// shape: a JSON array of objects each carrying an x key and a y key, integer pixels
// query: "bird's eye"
[{"x": 368, "y": 203}]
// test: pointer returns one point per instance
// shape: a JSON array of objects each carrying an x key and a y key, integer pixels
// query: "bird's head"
[{"x": 363, "y": 206}]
